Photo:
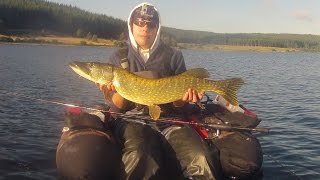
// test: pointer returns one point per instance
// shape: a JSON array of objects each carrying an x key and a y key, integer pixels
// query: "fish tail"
[{"x": 228, "y": 89}]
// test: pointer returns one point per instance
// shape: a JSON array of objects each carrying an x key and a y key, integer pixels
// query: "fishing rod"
[
  {"x": 145, "y": 119},
  {"x": 204, "y": 125}
]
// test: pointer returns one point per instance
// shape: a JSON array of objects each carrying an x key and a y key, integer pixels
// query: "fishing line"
[
  {"x": 291, "y": 172},
  {"x": 47, "y": 101},
  {"x": 281, "y": 164}
]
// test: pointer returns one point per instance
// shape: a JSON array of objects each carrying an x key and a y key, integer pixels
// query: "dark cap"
[{"x": 145, "y": 12}]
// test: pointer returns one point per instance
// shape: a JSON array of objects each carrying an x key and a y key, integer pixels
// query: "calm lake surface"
[{"x": 282, "y": 88}]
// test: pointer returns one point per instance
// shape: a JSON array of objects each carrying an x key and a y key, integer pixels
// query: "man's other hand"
[{"x": 192, "y": 96}]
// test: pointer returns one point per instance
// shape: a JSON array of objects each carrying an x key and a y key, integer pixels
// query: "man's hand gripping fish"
[{"x": 152, "y": 92}]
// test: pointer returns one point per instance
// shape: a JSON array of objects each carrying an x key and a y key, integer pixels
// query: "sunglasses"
[{"x": 141, "y": 23}]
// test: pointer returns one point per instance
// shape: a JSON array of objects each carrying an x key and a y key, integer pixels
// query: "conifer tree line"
[
  {"x": 64, "y": 19},
  {"x": 21, "y": 16},
  {"x": 304, "y": 41},
  {"x": 24, "y": 15}
]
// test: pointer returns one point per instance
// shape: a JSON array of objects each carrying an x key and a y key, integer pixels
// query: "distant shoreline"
[
  {"x": 56, "y": 40},
  {"x": 76, "y": 41},
  {"x": 213, "y": 47}
]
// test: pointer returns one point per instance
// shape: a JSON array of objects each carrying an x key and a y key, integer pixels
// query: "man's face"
[{"x": 144, "y": 32}]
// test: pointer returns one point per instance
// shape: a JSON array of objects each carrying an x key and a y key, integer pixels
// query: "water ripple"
[{"x": 282, "y": 88}]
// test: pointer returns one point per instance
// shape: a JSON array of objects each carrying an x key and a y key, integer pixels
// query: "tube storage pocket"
[
  {"x": 87, "y": 154},
  {"x": 240, "y": 155}
]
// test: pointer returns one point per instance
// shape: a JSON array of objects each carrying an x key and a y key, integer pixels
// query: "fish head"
[{"x": 98, "y": 72}]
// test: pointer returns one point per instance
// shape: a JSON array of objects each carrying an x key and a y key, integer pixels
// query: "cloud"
[
  {"x": 269, "y": 3},
  {"x": 302, "y": 15}
]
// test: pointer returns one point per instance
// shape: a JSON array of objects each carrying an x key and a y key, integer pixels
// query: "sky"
[{"x": 220, "y": 16}]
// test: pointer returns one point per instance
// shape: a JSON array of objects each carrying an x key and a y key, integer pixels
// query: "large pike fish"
[{"x": 152, "y": 92}]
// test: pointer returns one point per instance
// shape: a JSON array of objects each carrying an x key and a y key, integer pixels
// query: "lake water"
[{"x": 282, "y": 88}]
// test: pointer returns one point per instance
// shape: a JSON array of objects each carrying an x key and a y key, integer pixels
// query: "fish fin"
[
  {"x": 197, "y": 72},
  {"x": 228, "y": 89},
  {"x": 154, "y": 112},
  {"x": 106, "y": 94}
]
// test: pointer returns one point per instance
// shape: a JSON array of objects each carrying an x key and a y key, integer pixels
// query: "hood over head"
[{"x": 145, "y": 11}]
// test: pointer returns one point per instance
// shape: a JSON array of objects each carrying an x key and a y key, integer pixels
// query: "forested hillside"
[
  {"x": 307, "y": 41},
  {"x": 25, "y": 16},
  {"x": 41, "y": 15}
]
